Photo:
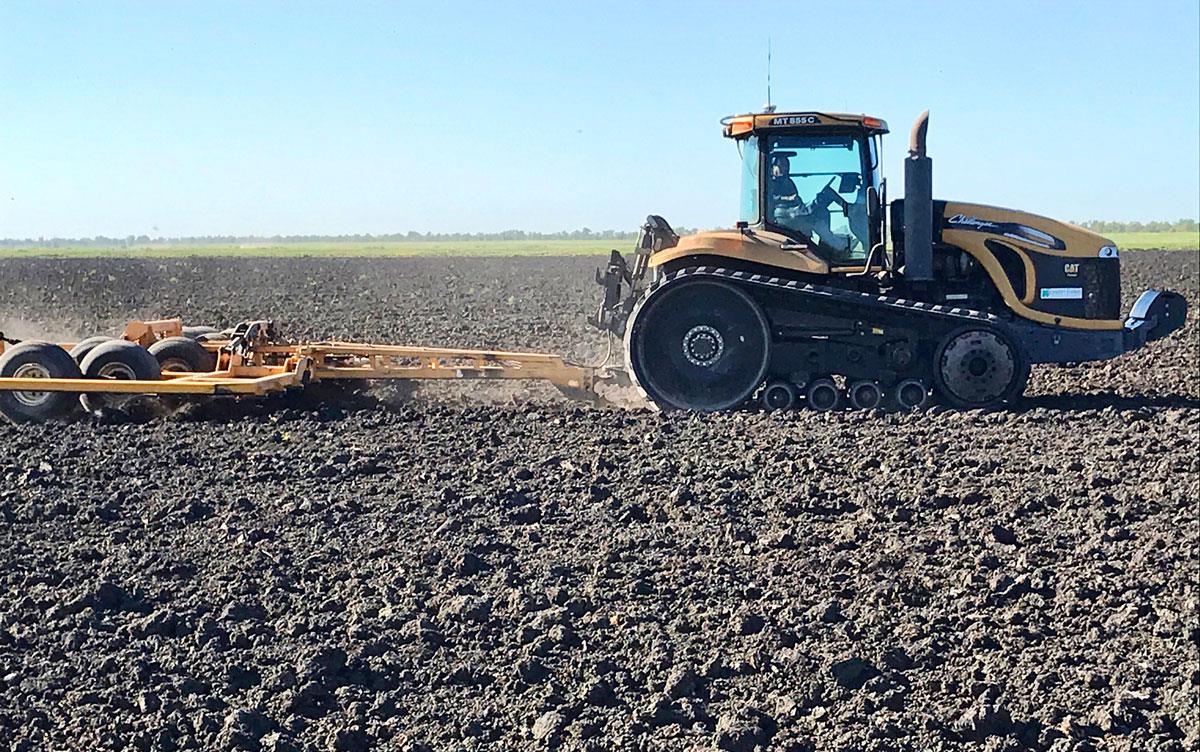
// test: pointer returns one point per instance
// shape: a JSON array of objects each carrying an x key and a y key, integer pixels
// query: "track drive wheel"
[
  {"x": 699, "y": 344},
  {"x": 117, "y": 359},
  {"x": 182, "y": 354},
  {"x": 976, "y": 368},
  {"x": 37, "y": 360}
]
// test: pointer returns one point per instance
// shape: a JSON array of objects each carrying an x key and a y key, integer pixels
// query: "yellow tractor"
[{"x": 803, "y": 302}]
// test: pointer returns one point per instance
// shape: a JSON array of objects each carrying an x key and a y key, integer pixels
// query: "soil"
[{"x": 498, "y": 568}]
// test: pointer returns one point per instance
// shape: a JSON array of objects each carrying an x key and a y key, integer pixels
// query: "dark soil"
[{"x": 504, "y": 569}]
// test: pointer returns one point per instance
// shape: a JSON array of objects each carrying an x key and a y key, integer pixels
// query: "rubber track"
[
  {"x": 853, "y": 297},
  {"x": 881, "y": 303}
]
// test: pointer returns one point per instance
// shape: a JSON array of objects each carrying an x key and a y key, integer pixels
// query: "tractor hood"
[
  {"x": 758, "y": 246},
  {"x": 953, "y": 221}
]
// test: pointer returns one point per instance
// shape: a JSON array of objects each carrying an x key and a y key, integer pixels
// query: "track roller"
[
  {"x": 911, "y": 394},
  {"x": 37, "y": 360},
  {"x": 823, "y": 395},
  {"x": 117, "y": 359},
  {"x": 865, "y": 395},
  {"x": 778, "y": 395}
]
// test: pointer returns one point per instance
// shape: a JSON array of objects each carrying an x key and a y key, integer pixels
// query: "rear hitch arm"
[{"x": 614, "y": 309}]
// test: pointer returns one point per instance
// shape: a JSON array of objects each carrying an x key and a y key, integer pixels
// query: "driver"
[{"x": 784, "y": 195}]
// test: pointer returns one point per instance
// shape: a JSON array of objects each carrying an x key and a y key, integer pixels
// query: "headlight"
[{"x": 1108, "y": 251}]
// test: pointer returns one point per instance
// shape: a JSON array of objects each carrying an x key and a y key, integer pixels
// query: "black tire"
[
  {"x": 116, "y": 359},
  {"x": 699, "y": 344},
  {"x": 81, "y": 349},
  {"x": 979, "y": 368},
  {"x": 199, "y": 333},
  {"x": 182, "y": 354},
  {"x": 37, "y": 360}
]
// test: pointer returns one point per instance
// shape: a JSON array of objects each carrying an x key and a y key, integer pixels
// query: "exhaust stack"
[{"x": 918, "y": 205}]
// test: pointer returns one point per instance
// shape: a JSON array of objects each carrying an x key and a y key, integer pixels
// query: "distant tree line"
[
  {"x": 101, "y": 241},
  {"x": 1179, "y": 225}
]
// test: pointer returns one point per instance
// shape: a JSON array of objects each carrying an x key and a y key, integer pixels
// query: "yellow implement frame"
[{"x": 256, "y": 365}]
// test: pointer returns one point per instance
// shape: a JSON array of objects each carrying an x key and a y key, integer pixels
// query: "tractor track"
[{"x": 492, "y": 567}]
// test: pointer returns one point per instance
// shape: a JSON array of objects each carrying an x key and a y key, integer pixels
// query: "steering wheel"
[{"x": 835, "y": 197}]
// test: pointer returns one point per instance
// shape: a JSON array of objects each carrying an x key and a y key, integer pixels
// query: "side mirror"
[{"x": 872, "y": 203}]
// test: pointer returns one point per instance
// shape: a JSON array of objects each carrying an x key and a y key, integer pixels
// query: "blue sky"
[{"x": 188, "y": 118}]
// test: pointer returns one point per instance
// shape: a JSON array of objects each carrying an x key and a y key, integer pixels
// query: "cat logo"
[{"x": 1071, "y": 270}]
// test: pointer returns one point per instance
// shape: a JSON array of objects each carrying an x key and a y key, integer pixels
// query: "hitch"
[
  {"x": 614, "y": 310},
  {"x": 611, "y": 315}
]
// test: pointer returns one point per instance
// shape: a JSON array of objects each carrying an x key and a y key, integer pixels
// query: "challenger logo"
[
  {"x": 975, "y": 223},
  {"x": 1014, "y": 230},
  {"x": 1071, "y": 270}
]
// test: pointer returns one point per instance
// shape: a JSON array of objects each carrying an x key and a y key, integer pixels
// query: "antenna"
[{"x": 769, "y": 107}]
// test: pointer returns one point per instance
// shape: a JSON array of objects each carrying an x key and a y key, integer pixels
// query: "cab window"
[
  {"x": 815, "y": 188},
  {"x": 749, "y": 197}
]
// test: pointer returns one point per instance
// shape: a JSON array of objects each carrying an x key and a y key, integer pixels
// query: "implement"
[{"x": 252, "y": 360}]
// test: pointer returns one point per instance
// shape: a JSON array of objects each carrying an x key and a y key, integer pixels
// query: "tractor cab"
[{"x": 813, "y": 177}]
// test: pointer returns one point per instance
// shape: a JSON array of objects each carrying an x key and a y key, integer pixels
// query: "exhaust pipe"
[{"x": 918, "y": 205}]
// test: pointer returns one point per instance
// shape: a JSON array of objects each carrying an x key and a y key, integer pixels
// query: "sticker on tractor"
[{"x": 1062, "y": 293}]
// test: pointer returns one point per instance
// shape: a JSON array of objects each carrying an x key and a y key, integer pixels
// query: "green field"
[
  {"x": 336, "y": 248},
  {"x": 1126, "y": 241},
  {"x": 1170, "y": 241}
]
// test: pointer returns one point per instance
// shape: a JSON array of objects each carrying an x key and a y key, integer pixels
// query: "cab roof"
[{"x": 741, "y": 126}]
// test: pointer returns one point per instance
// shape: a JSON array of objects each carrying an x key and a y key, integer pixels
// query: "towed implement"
[
  {"x": 803, "y": 302},
  {"x": 42, "y": 381}
]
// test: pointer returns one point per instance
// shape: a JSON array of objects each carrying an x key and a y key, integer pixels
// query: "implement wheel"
[
  {"x": 81, "y": 349},
  {"x": 116, "y": 359},
  {"x": 201, "y": 333},
  {"x": 699, "y": 345},
  {"x": 182, "y": 354},
  {"x": 37, "y": 360},
  {"x": 977, "y": 368}
]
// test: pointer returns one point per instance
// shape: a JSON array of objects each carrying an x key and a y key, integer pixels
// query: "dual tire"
[
  {"x": 37, "y": 360},
  {"x": 93, "y": 358},
  {"x": 116, "y": 359}
]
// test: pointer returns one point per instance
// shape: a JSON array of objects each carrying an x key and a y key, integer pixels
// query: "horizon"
[
  {"x": 1182, "y": 225},
  {"x": 221, "y": 119}
]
